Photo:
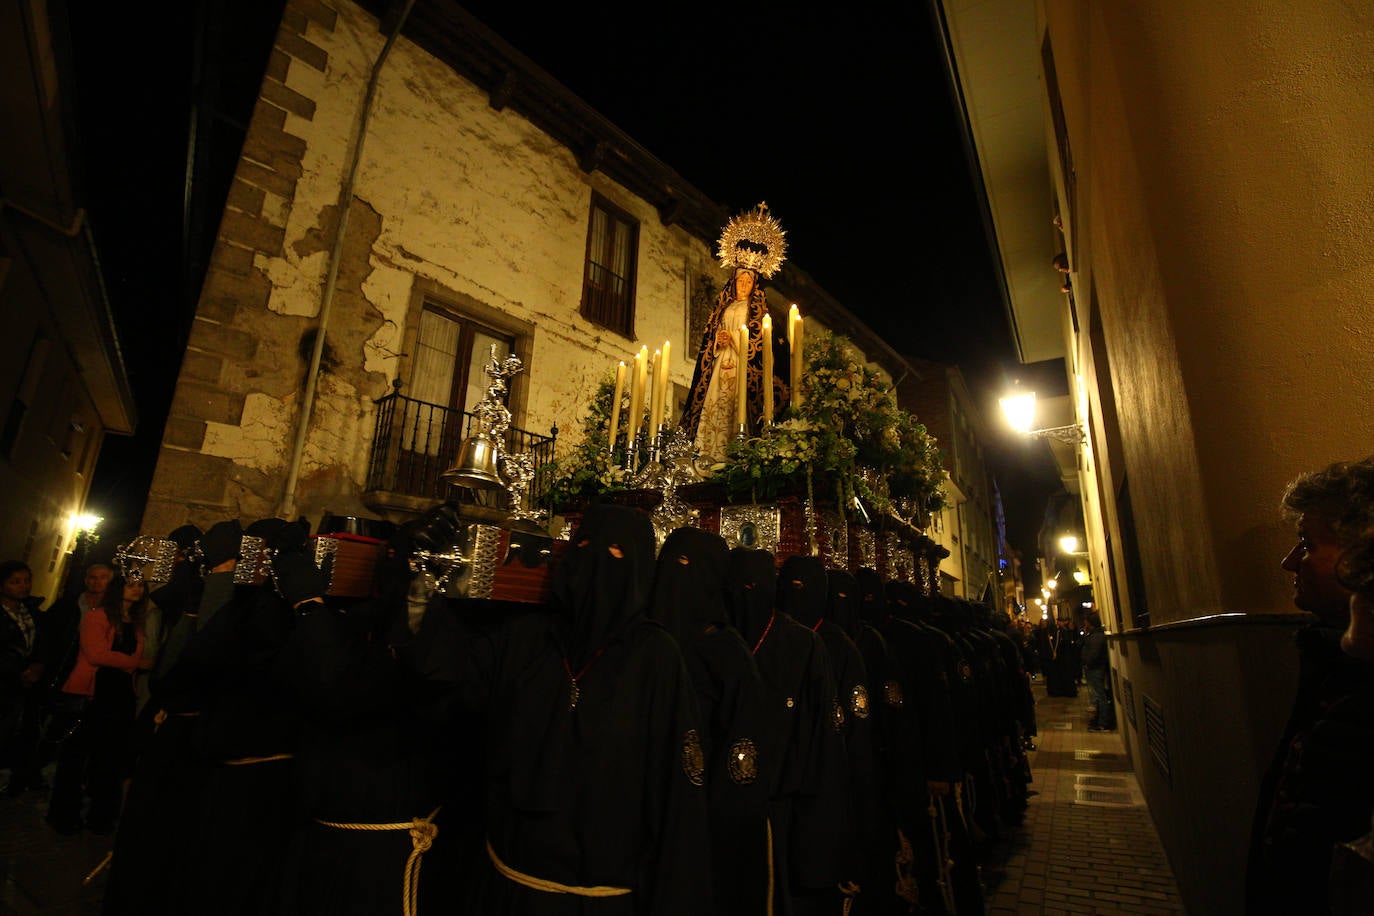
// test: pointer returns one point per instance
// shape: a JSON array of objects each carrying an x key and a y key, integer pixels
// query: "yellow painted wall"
[{"x": 1224, "y": 235}]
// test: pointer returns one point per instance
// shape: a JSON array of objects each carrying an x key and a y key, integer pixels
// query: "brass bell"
[{"x": 476, "y": 465}]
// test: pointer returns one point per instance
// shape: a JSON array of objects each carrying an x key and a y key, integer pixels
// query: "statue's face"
[{"x": 744, "y": 284}]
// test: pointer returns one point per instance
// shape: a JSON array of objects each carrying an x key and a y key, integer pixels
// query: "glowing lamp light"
[
  {"x": 1019, "y": 409},
  {"x": 1080, "y": 576},
  {"x": 85, "y": 522},
  {"x": 1068, "y": 544},
  {"x": 1052, "y": 584}
]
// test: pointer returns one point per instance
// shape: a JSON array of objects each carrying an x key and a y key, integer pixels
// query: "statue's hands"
[{"x": 725, "y": 340}]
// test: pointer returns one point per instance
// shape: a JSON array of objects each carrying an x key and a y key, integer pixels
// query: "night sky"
[{"x": 841, "y": 118}]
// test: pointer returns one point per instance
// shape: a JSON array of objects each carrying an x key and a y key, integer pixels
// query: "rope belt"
[
  {"x": 422, "y": 832},
  {"x": 551, "y": 887},
  {"x": 246, "y": 761},
  {"x": 849, "y": 890},
  {"x": 163, "y": 715}
]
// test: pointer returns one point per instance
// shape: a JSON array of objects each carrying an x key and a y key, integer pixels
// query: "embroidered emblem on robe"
[
  {"x": 743, "y": 762},
  {"x": 858, "y": 701},
  {"x": 693, "y": 758}
]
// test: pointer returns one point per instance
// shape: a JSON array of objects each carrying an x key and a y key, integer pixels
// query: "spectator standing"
[
  {"x": 97, "y": 703},
  {"x": 1317, "y": 791},
  {"x": 62, "y": 621},
  {"x": 21, "y": 677},
  {"x": 1096, "y": 668}
]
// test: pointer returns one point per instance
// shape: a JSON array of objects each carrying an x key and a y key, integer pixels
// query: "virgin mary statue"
[{"x": 752, "y": 247}]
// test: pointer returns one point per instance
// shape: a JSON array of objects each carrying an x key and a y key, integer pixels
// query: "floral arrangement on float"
[{"x": 848, "y": 439}]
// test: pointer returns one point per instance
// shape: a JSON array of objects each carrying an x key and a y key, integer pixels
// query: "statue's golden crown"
[{"x": 754, "y": 239}]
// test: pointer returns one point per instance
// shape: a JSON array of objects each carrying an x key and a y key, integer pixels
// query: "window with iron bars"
[{"x": 608, "y": 286}]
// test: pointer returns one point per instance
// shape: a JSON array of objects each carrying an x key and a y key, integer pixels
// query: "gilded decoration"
[
  {"x": 858, "y": 701},
  {"x": 892, "y": 693},
  {"x": 751, "y": 525},
  {"x": 868, "y": 548},
  {"x": 743, "y": 762},
  {"x": 837, "y": 716},
  {"x": 837, "y": 540},
  {"x": 693, "y": 758}
]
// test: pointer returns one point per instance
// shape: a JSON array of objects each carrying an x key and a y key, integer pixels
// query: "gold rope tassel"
[
  {"x": 768, "y": 825},
  {"x": 850, "y": 890},
  {"x": 551, "y": 887},
  {"x": 249, "y": 761},
  {"x": 904, "y": 861},
  {"x": 95, "y": 872},
  {"x": 422, "y": 832}
]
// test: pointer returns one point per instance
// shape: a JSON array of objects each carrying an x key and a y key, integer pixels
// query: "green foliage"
[
  {"x": 849, "y": 438},
  {"x": 586, "y": 469}
]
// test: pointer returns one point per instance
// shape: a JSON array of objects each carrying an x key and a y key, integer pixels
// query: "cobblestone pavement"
[
  {"x": 1088, "y": 844},
  {"x": 40, "y": 870}
]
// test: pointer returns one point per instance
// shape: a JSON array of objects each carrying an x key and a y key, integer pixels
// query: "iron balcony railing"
[{"x": 415, "y": 442}]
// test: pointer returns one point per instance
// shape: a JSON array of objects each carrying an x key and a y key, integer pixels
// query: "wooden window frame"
[{"x": 588, "y": 308}]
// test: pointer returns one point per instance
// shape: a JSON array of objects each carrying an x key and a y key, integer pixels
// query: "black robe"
[
  {"x": 372, "y": 751},
  {"x": 594, "y": 770},
  {"x": 151, "y": 851},
  {"x": 690, "y": 601},
  {"x": 809, "y": 785},
  {"x": 245, "y": 738}
]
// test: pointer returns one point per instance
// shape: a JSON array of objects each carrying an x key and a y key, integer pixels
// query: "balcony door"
[{"x": 446, "y": 384}]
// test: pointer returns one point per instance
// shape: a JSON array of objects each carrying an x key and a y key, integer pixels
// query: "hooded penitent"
[
  {"x": 842, "y": 595},
  {"x": 872, "y": 597},
  {"x": 690, "y": 601},
  {"x": 751, "y": 579},
  {"x": 603, "y": 580},
  {"x": 689, "y": 585},
  {"x": 594, "y": 770},
  {"x": 801, "y": 590}
]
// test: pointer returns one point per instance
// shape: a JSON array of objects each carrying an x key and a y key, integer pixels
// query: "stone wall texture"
[{"x": 451, "y": 195}]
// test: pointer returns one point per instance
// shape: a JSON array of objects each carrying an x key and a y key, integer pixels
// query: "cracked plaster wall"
[{"x": 478, "y": 202}]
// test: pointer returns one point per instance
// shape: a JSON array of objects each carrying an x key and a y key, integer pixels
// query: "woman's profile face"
[
  {"x": 134, "y": 589},
  {"x": 744, "y": 284}
]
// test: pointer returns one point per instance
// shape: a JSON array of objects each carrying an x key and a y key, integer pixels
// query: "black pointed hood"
[
  {"x": 872, "y": 596},
  {"x": 842, "y": 592},
  {"x": 801, "y": 590},
  {"x": 603, "y": 581},
  {"x": 904, "y": 600},
  {"x": 689, "y": 584},
  {"x": 750, "y": 581}
]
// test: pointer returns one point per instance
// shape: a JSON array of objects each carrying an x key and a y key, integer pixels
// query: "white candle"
[
  {"x": 742, "y": 378},
  {"x": 656, "y": 396},
  {"x": 615, "y": 401},
  {"x": 767, "y": 369},
  {"x": 665, "y": 396},
  {"x": 636, "y": 418},
  {"x": 798, "y": 347}
]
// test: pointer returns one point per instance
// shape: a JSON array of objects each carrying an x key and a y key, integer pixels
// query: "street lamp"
[
  {"x": 1068, "y": 544},
  {"x": 1019, "y": 409}
]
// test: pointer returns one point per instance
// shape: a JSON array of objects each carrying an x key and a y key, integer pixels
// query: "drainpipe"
[{"x": 288, "y": 501}]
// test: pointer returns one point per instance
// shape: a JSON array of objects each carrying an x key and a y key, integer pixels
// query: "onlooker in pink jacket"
[{"x": 99, "y": 698}]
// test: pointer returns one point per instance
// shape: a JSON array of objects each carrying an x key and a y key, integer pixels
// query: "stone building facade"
[{"x": 490, "y": 206}]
